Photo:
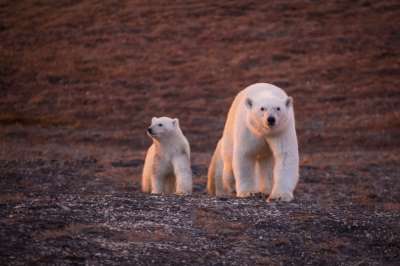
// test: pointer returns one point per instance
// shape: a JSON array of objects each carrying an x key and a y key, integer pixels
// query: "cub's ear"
[
  {"x": 175, "y": 122},
  {"x": 153, "y": 120},
  {"x": 289, "y": 101},
  {"x": 249, "y": 103}
]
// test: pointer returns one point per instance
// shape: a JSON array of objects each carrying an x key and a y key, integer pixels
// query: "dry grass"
[{"x": 46, "y": 121}]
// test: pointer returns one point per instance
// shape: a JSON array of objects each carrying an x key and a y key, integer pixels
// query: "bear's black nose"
[
  {"x": 150, "y": 130},
  {"x": 271, "y": 120}
]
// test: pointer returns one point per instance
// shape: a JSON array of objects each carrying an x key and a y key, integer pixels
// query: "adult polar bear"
[{"x": 258, "y": 151}]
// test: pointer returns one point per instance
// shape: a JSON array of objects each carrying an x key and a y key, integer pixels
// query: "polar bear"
[
  {"x": 258, "y": 151},
  {"x": 167, "y": 164}
]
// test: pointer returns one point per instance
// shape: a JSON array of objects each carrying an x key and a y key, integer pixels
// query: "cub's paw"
[
  {"x": 183, "y": 193},
  {"x": 280, "y": 197},
  {"x": 224, "y": 195},
  {"x": 246, "y": 194}
]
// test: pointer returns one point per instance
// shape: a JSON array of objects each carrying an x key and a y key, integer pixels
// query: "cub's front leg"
[
  {"x": 183, "y": 175},
  {"x": 159, "y": 175}
]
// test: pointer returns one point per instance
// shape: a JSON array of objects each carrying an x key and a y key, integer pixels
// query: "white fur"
[
  {"x": 167, "y": 164},
  {"x": 252, "y": 156}
]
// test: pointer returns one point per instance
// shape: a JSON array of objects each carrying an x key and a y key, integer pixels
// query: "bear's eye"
[
  {"x": 262, "y": 109},
  {"x": 160, "y": 125},
  {"x": 278, "y": 108}
]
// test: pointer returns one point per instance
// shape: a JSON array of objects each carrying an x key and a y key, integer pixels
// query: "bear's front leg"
[
  {"x": 183, "y": 174},
  {"x": 243, "y": 168},
  {"x": 285, "y": 177},
  {"x": 286, "y": 165},
  {"x": 264, "y": 173}
]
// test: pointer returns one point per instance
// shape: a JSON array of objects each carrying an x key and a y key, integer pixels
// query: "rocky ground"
[{"x": 80, "y": 81}]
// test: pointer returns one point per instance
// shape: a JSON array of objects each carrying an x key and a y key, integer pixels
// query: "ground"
[{"x": 80, "y": 81}]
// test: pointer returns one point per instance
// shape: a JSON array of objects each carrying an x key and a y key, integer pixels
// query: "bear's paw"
[{"x": 280, "y": 197}]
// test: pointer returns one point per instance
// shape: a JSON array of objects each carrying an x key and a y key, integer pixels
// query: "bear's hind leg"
[
  {"x": 228, "y": 180},
  {"x": 219, "y": 186},
  {"x": 148, "y": 170},
  {"x": 146, "y": 183}
]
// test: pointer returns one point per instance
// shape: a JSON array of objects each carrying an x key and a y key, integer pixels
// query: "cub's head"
[
  {"x": 268, "y": 115},
  {"x": 163, "y": 127}
]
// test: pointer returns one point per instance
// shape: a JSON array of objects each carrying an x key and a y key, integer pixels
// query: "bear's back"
[{"x": 258, "y": 90}]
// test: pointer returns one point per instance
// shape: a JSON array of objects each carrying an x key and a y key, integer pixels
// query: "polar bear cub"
[
  {"x": 167, "y": 164},
  {"x": 258, "y": 151}
]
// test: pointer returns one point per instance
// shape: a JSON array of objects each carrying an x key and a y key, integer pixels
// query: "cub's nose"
[
  {"x": 150, "y": 130},
  {"x": 271, "y": 120}
]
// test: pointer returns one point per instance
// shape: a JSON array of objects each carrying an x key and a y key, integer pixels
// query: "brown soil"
[{"x": 80, "y": 81}]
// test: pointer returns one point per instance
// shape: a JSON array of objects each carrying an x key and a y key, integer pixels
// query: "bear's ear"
[
  {"x": 153, "y": 120},
  {"x": 249, "y": 103},
  {"x": 289, "y": 101},
  {"x": 175, "y": 122}
]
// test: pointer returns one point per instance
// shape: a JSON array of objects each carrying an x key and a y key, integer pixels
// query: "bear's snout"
[
  {"x": 150, "y": 131},
  {"x": 271, "y": 121}
]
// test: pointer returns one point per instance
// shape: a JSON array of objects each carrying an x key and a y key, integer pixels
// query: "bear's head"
[
  {"x": 163, "y": 127},
  {"x": 268, "y": 115}
]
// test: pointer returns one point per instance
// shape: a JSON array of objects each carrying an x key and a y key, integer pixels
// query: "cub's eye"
[
  {"x": 160, "y": 125},
  {"x": 278, "y": 108},
  {"x": 262, "y": 109}
]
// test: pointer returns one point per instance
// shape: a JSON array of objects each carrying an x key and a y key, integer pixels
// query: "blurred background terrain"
[{"x": 80, "y": 81}]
